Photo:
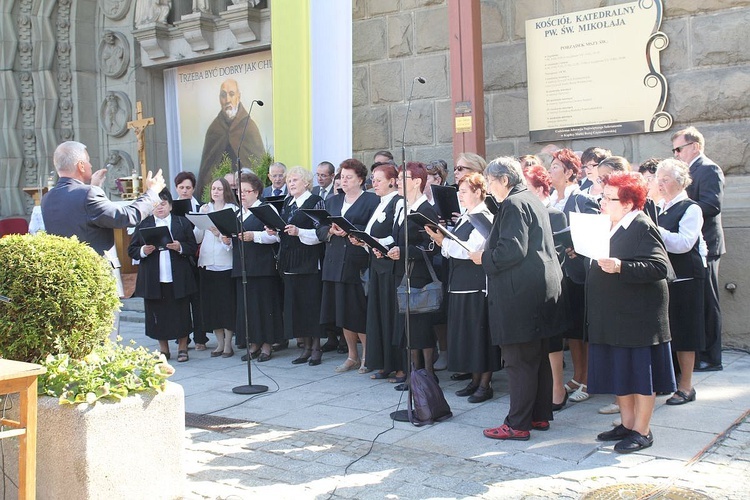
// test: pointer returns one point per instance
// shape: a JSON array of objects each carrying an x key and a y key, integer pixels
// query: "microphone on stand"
[
  {"x": 249, "y": 388},
  {"x": 403, "y": 415}
]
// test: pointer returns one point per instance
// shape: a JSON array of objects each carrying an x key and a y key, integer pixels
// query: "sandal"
[
  {"x": 397, "y": 379},
  {"x": 363, "y": 369},
  {"x": 379, "y": 375},
  {"x": 579, "y": 394},
  {"x": 572, "y": 388},
  {"x": 347, "y": 365},
  {"x": 200, "y": 347},
  {"x": 167, "y": 355},
  {"x": 182, "y": 356}
]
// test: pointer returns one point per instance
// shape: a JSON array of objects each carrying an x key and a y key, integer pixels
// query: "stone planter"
[{"x": 129, "y": 449}]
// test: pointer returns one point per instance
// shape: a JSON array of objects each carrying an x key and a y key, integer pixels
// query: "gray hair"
[
  {"x": 678, "y": 169},
  {"x": 277, "y": 164},
  {"x": 67, "y": 155},
  {"x": 508, "y": 167},
  {"x": 304, "y": 175}
]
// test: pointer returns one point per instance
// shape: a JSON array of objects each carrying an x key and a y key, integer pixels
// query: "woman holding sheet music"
[
  {"x": 263, "y": 295},
  {"x": 218, "y": 305},
  {"x": 421, "y": 337},
  {"x": 165, "y": 277},
  {"x": 382, "y": 355},
  {"x": 470, "y": 345},
  {"x": 343, "y": 302},
  {"x": 300, "y": 254}
]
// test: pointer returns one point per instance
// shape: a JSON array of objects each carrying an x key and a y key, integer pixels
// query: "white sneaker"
[
  {"x": 442, "y": 362},
  {"x": 610, "y": 409}
]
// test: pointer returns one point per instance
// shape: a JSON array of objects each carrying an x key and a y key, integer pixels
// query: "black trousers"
[
  {"x": 712, "y": 311},
  {"x": 530, "y": 382}
]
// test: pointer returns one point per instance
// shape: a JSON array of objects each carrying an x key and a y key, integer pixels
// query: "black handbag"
[{"x": 421, "y": 300}]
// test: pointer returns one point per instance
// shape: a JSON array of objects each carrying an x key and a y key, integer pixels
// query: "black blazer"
[
  {"x": 294, "y": 256},
  {"x": 260, "y": 259},
  {"x": 183, "y": 279},
  {"x": 382, "y": 229},
  {"x": 707, "y": 189},
  {"x": 630, "y": 309},
  {"x": 523, "y": 274},
  {"x": 418, "y": 238},
  {"x": 344, "y": 262}
]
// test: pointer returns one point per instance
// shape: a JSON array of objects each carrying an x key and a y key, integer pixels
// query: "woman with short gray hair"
[
  {"x": 523, "y": 288},
  {"x": 680, "y": 223}
]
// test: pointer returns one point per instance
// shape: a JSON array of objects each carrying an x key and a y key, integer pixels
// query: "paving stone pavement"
[{"x": 311, "y": 436}]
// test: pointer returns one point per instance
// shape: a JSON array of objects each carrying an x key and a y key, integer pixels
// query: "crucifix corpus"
[{"x": 139, "y": 127}]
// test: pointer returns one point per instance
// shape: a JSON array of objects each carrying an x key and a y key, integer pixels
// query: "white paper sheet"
[{"x": 590, "y": 234}]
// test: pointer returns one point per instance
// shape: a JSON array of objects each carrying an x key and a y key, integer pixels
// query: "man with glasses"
[
  {"x": 707, "y": 189},
  {"x": 324, "y": 174},
  {"x": 277, "y": 176}
]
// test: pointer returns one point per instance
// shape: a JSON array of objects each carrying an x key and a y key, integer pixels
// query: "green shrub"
[
  {"x": 260, "y": 167},
  {"x": 111, "y": 371},
  {"x": 63, "y": 297},
  {"x": 225, "y": 166}
]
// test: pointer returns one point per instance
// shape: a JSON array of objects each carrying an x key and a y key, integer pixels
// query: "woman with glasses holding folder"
[
  {"x": 470, "y": 348},
  {"x": 263, "y": 297},
  {"x": 165, "y": 277}
]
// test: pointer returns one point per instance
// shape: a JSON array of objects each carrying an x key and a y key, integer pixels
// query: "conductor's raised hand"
[
  {"x": 97, "y": 178},
  {"x": 155, "y": 181}
]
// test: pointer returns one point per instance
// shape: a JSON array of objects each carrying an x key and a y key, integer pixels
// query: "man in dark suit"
[
  {"x": 277, "y": 176},
  {"x": 77, "y": 205},
  {"x": 707, "y": 189},
  {"x": 324, "y": 174}
]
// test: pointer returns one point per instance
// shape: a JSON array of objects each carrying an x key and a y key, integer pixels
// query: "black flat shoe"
[
  {"x": 264, "y": 357},
  {"x": 618, "y": 433},
  {"x": 680, "y": 398},
  {"x": 342, "y": 349},
  {"x": 481, "y": 395},
  {"x": 280, "y": 346},
  {"x": 314, "y": 362},
  {"x": 704, "y": 366},
  {"x": 634, "y": 442},
  {"x": 301, "y": 360},
  {"x": 402, "y": 387},
  {"x": 461, "y": 376},
  {"x": 558, "y": 407},
  {"x": 467, "y": 391}
]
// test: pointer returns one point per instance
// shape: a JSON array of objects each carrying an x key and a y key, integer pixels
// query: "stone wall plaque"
[
  {"x": 596, "y": 73},
  {"x": 114, "y": 9}
]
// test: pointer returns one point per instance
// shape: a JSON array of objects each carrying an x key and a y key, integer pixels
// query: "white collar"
[
  {"x": 301, "y": 199},
  {"x": 680, "y": 196},
  {"x": 625, "y": 221}
]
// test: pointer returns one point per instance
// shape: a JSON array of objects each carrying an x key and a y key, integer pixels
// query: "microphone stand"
[
  {"x": 249, "y": 388},
  {"x": 405, "y": 415}
]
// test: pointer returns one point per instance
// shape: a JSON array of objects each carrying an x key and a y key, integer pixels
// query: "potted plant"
[{"x": 108, "y": 420}]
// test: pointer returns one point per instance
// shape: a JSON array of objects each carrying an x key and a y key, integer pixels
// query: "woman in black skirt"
[
  {"x": 627, "y": 319},
  {"x": 470, "y": 348},
  {"x": 218, "y": 303},
  {"x": 300, "y": 253},
  {"x": 259, "y": 305},
  {"x": 680, "y": 223},
  {"x": 421, "y": 337},
  {"x": 165, "y": 278},
  {"x": 344, "y": 304},
  {"x": 382, "y": 355}
]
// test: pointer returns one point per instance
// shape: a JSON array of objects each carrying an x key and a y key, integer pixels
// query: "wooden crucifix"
[{"x": 139, "y": 127}]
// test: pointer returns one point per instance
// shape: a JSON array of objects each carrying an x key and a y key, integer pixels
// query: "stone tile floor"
[{"x": 311, "y": 436}]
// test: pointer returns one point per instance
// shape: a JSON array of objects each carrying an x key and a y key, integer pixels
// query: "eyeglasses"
[
  {"x": 591, "y": 165},
  {"x": 679, "y": 149},
  {"x": 460, "y": 168},
  {"x": 608, "y": 199}
]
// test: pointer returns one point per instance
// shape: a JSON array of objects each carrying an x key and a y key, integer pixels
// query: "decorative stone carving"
[
  {"x": 64, "y": 76},
  {"x": 151, "y": 11},
  {"x": 198, "y": 30},
  {"x": 201, "y": 6},
  {"x": 242, "y": 21},
  {"x": 251, "y": 3},
  {"x": 114, "y": 54},
  {"x": 114, "y": 114},
  {"x": 114, "y": 9},
  {"x": 119, "y": 164}
]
